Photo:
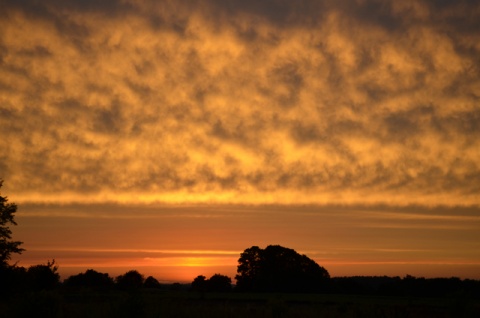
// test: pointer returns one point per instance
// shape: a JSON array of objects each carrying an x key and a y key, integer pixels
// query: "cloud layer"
[{"x": 241, "y": 101}]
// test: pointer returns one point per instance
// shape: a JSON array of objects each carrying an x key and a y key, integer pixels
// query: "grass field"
[{"x": 158, "y": 303}]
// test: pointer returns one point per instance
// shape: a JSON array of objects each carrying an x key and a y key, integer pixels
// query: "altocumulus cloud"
[{"x": 241, "y": 101}]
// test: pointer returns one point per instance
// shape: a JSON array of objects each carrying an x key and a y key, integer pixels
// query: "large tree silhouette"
[
  {"x": 7, "y": 246},
  {"x": 279, "y": 269}
]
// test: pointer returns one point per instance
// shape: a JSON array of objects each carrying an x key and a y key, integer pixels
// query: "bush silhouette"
[
  {"x": 43, "y": 277},
  {"x": 90, "y": 279},
  {"x": 219, "y": 283},
  {"x": 151, "y": 282},
  {"x": 13, "y": 279},
  {"x": 216, "y": 283},
  {"x": 131, "y": 280},
  {"x": 199, "y": 284}
]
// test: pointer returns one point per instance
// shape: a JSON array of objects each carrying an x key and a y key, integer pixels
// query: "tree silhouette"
[
  {"x": 216, "y": 283},
  {"x": 7, "y": 246},
  {"x": 90, "y": 279},
  {"x": 250, "y": 269},
  {"x": 13, "y": 279},
  {"x": 199, "y": 284},
  {"x": 131, "y": 280},
  {"x": 279, "y": 269},
  {"x": 151, "y": 282},
  {"x": 43, "y": 276},
  {"x": 219, "y": 283}
]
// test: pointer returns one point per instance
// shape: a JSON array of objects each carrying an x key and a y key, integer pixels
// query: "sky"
[{"x": 169, "y": 136}]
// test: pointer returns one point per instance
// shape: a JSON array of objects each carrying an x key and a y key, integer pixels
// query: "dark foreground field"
[{"x": 157, "y": 303}]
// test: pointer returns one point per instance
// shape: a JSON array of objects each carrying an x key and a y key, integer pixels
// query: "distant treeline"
[
  {"x": 16, "y": 280},
  {"x": 406, "y": 286}
]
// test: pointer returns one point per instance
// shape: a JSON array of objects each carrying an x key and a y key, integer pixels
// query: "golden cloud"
[{"x": 239, "y": 101}]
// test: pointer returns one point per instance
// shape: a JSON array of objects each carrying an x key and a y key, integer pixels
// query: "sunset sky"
[{"x": 169, "y": 136}]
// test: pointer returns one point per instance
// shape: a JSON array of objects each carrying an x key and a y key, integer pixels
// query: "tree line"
[{"x": 273, "y": 269}]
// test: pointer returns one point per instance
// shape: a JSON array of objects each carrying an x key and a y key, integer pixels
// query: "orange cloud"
[{"x": 241, "y": 103}]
